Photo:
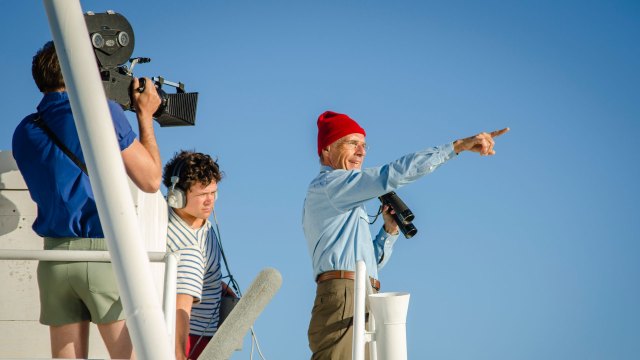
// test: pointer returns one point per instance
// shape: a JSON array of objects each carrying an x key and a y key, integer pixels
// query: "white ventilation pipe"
[
  {"x": 390, "y": 311},
  {"x": 387, "y": 335}
]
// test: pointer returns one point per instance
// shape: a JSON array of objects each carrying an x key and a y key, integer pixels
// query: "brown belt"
[{"x": 344, "y": 274}]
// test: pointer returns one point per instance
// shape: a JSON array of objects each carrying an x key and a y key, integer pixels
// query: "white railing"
[
  {"x": 387, "y": 334},
  {"x": 170, "y": 272},
  {"x": 229, "y": 336}
]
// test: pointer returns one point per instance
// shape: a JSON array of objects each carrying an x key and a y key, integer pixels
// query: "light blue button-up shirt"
[{"x": 335, "y": 221}]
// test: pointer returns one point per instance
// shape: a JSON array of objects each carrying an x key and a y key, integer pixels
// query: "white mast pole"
[{"x": 108, "y": 179}]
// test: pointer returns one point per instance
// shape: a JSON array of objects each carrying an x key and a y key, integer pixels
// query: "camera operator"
[
  {"x": 336, "y": 224},
  {"x": 47, "y": 150}
]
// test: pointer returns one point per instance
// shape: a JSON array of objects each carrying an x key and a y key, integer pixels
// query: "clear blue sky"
[{"x": 531, "y": 254}]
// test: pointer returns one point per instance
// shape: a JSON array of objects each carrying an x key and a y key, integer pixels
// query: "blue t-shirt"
[{"x": 66, "y": 204}]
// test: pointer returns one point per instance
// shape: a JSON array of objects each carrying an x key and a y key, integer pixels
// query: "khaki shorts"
[{"x": 72, "y": 292}]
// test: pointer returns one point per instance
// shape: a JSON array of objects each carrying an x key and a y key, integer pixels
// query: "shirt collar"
[
  {"x": 326, "y": 168},
  {"x": 51, "y": 98}
]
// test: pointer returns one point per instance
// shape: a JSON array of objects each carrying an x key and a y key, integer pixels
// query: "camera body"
[
  {"x": 113, "y": 41},
  {"x": 402, "y": 214}
]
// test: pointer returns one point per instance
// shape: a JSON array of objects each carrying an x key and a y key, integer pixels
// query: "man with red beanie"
[{"x": 336, "y": 224}]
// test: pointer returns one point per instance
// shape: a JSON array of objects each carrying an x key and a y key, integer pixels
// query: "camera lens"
[
  {"x": 97, "y": 40},
  {"x": 123, "y": 38}
]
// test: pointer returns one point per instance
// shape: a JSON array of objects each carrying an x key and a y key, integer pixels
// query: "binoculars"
[{"x": 402, "y": 214}]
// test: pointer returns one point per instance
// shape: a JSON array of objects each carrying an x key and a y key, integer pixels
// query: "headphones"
[{"x": 176, "y": 197}]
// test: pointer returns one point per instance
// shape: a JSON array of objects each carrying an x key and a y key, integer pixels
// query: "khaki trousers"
[{"x": 331, "y": 326}]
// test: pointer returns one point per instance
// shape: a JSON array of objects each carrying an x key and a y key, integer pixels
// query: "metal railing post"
[
  {"x": 359, "y": 311},
  {"x": 169, "y": 300}
]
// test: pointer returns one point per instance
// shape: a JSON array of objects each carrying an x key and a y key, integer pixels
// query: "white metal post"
[
  {"x": 359, "y": 311},
  {"x": 108, "y": 180},
  {"x": 169, "y": 295},
  {"x": 371, "y": 334}
]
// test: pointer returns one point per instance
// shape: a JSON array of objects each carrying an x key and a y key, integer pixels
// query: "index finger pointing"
[{"x": 498, "y": 132}]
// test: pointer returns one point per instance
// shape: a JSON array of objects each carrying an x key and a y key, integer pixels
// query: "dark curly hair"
[
  {"x": 45, "y": 69},
  {"x": 191, "y": 167}
]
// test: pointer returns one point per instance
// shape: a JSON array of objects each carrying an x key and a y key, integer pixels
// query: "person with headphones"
[{"x": 192, "y": 181}]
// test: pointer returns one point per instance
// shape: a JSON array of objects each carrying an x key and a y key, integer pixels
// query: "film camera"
[
  {"x": 113, "y": 41},
  {"x": 402, "y": 214}
]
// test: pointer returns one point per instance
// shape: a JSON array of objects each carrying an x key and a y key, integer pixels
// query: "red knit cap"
[{"x": 333, "y": 126}]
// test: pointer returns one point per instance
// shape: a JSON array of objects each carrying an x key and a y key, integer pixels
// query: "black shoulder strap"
[{"x": 38, "y": 121}]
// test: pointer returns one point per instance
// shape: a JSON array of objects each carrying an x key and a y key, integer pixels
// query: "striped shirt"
[{"x": 199, "y": 272}]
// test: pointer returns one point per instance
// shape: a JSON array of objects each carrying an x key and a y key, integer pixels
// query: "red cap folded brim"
[{"x": 333, "y": 126}]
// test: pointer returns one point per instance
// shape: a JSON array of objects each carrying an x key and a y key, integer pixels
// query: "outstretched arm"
[{"x": 482, "y": 143}]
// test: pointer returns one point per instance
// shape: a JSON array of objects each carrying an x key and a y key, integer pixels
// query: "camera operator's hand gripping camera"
[
  {"x": 402, "y": 214},
  {"x": 112, "y": 40}
]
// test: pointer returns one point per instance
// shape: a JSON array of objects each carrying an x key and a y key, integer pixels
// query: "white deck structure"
[{"x": 22, "y": 334}]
